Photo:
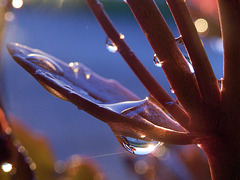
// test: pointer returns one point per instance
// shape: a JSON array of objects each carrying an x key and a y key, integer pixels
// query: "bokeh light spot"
[{"x": 201, "y": 25}]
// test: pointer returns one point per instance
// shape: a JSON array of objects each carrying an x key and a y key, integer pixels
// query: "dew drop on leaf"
[
  {"x": 88, "y": 73},
  {"x": 49, "y": 75},
  {"x": 139, "y": 146},
  {"x": 110, "y": 46},
  {"x": 156, "y": 61},
  {"x": 75, "y": 67}
]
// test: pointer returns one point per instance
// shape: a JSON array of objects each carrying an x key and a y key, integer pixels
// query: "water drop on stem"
[
  {"x": 156, "y": 61},
  {"x": 110, "y": 46},
  {"x": 179, "y": 40}
]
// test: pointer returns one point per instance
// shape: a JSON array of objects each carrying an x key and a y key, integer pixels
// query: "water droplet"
[
  {"x": 179, "y": 40},
  {"x": 170, "y": 103},
  {"x": 38, "y": 71},
  {"x": 171, "y": 89},
  {"x": 75, "y": 67},
  {"x": 141, "y": 145},
  {"x": 191, "y": 67},
  {"x": 68, "y": 87},
  {"x": 49, "y": 75},
  {"x": 220, "y": 81},
  {"x": 121, "y": 36},
  {"x": 110, "y": 46},
  {"x": 45, "y": 62},
  {"x": 88, "y": 73},
  {"x": 138, "y": 146},
  {"x": 125, "y": 1},
  {"x": 123, "y": 106},
  {"x": 156, "y": 61}
]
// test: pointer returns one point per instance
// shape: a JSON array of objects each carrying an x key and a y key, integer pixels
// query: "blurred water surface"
[{"x": 76, "y": 36}]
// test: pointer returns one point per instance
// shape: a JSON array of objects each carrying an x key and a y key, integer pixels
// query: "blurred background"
[{"x": 68, "y": 30}]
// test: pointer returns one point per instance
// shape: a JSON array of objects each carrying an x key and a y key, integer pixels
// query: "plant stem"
[
  {"x": 138, "y": 68},
  {"x": 224, "y": 158},
  {"x": 205, "y": 76},
  {"x": 163, "y": 43},
  {"x": 229, "y": 12}
]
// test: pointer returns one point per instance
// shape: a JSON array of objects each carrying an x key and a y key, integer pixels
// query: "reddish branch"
[
  {"x": 163, "y": 43},
  {"x": 205, "y": 76},
  {"x": 229, "y": 12},
  {"x": 138, "y": 68}
]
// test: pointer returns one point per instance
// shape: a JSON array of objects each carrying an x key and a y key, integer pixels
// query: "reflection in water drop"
[
  {"x": 138, "y": 146},
  {"x": 45, "y": 62},
  {"x": 7, "y": 167},
  {"x": 110, "y": 46},
  {"x": 171, "y": 89},
  {"x": 156, "y": 61}
]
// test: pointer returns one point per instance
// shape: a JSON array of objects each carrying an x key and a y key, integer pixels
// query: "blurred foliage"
[{"x": 38, "y": 149}]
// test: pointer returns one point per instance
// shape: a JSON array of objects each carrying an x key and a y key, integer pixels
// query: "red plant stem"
[
  {"x": 138, "y": 68},
  {"x": 163, "y": 43},
  {"x": 223, "y": 157},
  {"x": 229, "y": 12},
  {"x": 205, "y": 76}
]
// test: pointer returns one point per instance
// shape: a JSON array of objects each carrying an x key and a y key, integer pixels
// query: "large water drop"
[
  {"x": 110, "y": 46},
  {"x": 138, "y": 144},
  {"x": 45, "y": 62}
]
